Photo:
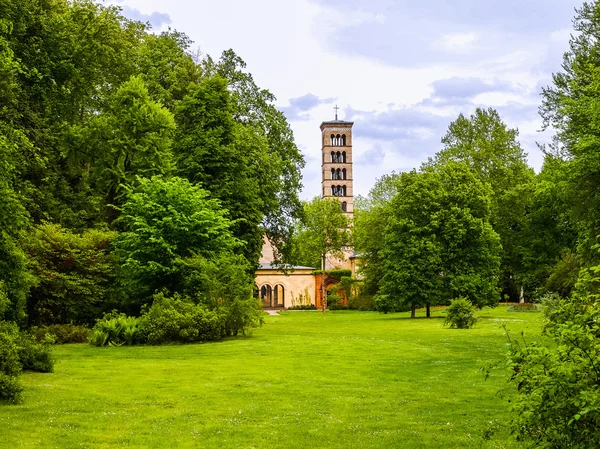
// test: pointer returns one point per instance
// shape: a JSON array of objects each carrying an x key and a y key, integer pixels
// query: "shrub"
[
  {"x": 31, "y": 355},
  {"x": 19, "y": 351},
  {"x": 361, "y": 302},
  {"x": 303, "y": 307},
  {"x": 178, "y": 319},
  {"x": 116, "y": 329},
  {"x": 524, "y": 307},
  {"x": 62, "y": 333},
  {"x": 460, "y": 314},
  {"x": 10, "y": 388}
]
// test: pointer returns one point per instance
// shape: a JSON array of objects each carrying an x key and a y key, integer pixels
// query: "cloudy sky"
[{"x": 402, "y": 70}]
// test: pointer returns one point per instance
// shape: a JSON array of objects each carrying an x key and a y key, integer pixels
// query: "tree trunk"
[
  {"x": 428, "y": 311},
  {"x": 413, "y": 309}
]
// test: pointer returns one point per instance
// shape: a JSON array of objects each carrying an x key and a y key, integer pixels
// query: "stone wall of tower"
[{"x": 337, "y": 156}]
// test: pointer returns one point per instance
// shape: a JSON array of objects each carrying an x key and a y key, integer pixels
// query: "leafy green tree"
[
  {"x": 549, "y": 258},
  {"x": 163, "y": 224},
  {"x": 371, "y": 216},
  {"x": 74, "y": 275},
  {"x": 255, "y": 106},
  {"x": 227, "y": 158},
  {"x": 324, "y": 231},
  {"x": 570, "y": 106},
  {"x": 166, "y": 67},
  {"x": 438, "y": 241},
  {"x": 132, "y": 139},
  {"x": 493, "y": 153}
]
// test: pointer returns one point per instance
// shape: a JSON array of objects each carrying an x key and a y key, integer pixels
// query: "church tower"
[{"x": 336, "y": 165}]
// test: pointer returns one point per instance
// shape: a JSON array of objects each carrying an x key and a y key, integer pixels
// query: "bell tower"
[{"x": 336, "y": 165}]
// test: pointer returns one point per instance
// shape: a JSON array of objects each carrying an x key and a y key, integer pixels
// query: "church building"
[{"x": 300, "y": 285}]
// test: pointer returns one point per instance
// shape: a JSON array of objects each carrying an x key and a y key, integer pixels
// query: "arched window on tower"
[
  {"x": 344, "y": 207},
  {"x": 343, "y": 158},
  {"x": 342, "y": 190},
  {"x": 334, "y": 191},
  {"x": 333, "y": 156},
  {"x": 343, "y": 173},
  {"x": 338, "y": 157},
  {"x": 338, "y": 174},
  {"x": 338, "y": 140},
  {"x": 343, "y": 140},
  {"x": 333, "y": 140},
  {"x": 333, "y": 173}
]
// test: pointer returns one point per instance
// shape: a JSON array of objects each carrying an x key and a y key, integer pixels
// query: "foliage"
[
  {"x": 224, "y": 284},
  {"x": 74, "y": 274},
  {"x": 524, "y": 307},
  {"x": 163, "y": 223},
  {"x": 438, "y": 243},
  {"x": 19, "y": 351},
  {"x": 371, "y": 215},
  {"x": 303, "y": 307},
  {"x": 460, "y": 314},
  {"x": 564, "y": 275},
  {"x": 132, "y": 139},
  {"x": 61, "y": 333},
  {"x": 117, "y": 329},
  {"x": 279, "y": 180},
  {"x": 178, "y": 319},
  {"x": 494, "y": 155},
  {"x": 558, "y": 403},
  {"x": 570, "y": 107}
]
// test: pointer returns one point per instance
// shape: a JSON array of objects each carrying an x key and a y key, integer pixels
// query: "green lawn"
[{"x": 304, "y": 380}]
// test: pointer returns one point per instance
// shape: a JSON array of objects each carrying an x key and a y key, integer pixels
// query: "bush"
[
  {"x": 460, "y": 314},
  {"x": 10, "y": 388},
  {"x": 361, "y": 302},
  {"x": 178, "y": 319},
  {"x": 117, "y": 329},
  {"x": 524, "y": 307},
  {"x": 19, "y": 351},
  {"x": 303, "y": 307},
  {"x": 61, "y": 333}
]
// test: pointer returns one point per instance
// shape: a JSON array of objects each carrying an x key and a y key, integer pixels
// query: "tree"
[
  {"x": 74, "y": 275},
  {"x": 255, "y": 106},
  {"x": 163, "y": 224},
  {"x": 132, "y": 139},
  {"x": 492, "y": 152},
  {"x": 438, "y": 241},
  {"x": 324, "y": 231},
  {"x": 371, "y": 216},
  {"x": 227, "y": 158},
  {"x": 570, "y": 106}
]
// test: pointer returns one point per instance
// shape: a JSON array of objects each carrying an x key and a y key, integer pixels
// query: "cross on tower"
[{"x": 336, "y": 111}]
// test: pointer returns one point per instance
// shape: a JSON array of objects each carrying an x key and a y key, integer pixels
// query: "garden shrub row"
[
  {"x": 169, "y": 320},
  {"x": 19, "y": 351}
]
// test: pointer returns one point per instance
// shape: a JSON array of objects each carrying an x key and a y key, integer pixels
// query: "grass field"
[{"x": 304, "y": 380}]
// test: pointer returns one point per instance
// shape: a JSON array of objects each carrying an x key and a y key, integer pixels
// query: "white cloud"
[{"x": 459, "y": 41}]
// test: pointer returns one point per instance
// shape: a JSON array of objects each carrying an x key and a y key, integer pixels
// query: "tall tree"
[
  {"x": 438, "y": 242},
  {"x": 132, "y": 139},
  {"x": 493, "y": 153},
  {"x": 571, "y": 107},
  {"x": 371, "y": 216},
  {"x": 324, "y": 231},
  {"x": 254, "y": 105}
]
